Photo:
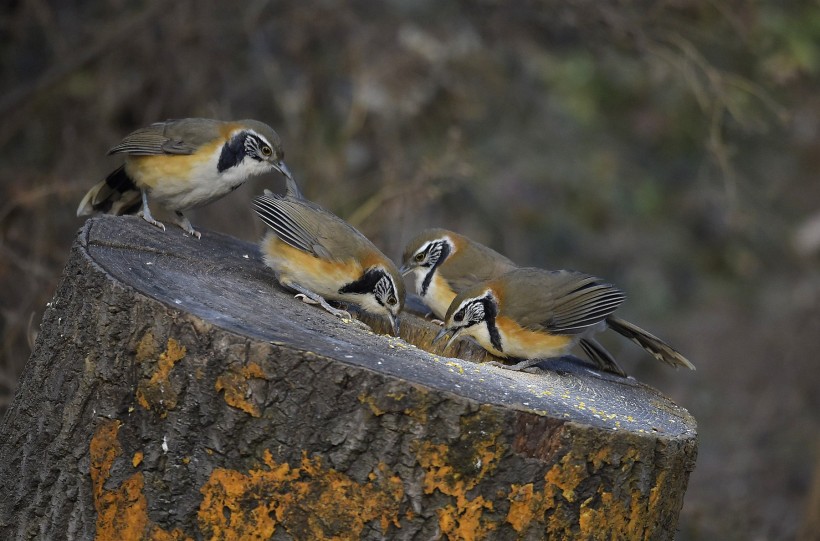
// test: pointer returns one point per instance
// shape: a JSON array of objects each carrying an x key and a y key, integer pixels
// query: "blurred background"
[{"x": 671, "y": 147}]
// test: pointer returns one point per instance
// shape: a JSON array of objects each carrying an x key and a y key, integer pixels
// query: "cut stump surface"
[{"x": 177, "y": 392}]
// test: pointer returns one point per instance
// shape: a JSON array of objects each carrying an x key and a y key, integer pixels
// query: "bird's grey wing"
[
  {"x": 294, "y": 221},
  {"x": 169, "y": 137},
  {"x": 486, "y": 265},
  {"x": 562, "y": 302},
  {"x": 341, "y": 240}
]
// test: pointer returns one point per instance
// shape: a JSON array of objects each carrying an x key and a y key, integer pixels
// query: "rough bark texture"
[{"x": 176, "y": 392}]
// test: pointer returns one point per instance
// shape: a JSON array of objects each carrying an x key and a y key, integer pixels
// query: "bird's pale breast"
[
  {"x": 182, "y": 182},
  {"x": 439, "y": 296}
]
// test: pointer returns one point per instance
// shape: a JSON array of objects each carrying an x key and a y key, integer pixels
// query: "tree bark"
[{"x": 177, "y": 392}]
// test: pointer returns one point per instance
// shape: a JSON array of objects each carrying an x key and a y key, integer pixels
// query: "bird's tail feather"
[
  {"x": 117, "y": 194},
  {"x": 600, "y": 356},
  {"x": 651, "y": 343}
]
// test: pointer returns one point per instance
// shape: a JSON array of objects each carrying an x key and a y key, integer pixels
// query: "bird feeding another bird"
[{"x": 185, "y": 164}]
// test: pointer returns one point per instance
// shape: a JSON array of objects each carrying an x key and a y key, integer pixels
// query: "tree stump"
[{"x": 177, "y": 392}]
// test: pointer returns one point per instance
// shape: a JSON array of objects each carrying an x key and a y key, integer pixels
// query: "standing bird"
[
  {"x": 184, "y": 164},
  {"x": 534, "y": 314},
  {"x": 443, "y": 263},
  {"x": 322, "y": 257}
]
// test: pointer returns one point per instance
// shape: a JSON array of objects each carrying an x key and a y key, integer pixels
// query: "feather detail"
[
  {"x": 561, "y": 302},
  {"x": 600, "y": 356},
  {"x": 117, "y": 195},
  {"x": 651, "y": 343},
  {"x": 291, "y": 226},
  {"x": 150, "y": 142}
]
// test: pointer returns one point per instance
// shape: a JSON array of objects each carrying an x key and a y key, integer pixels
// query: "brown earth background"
[{"x": 671, "y": 147}]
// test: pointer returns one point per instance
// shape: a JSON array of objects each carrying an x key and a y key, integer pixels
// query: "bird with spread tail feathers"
[
  {"x": 185, "y": 164},
  {"x": 323, "y": 258}
]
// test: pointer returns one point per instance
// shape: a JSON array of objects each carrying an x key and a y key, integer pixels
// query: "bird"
[
  {"x": 323, "y": 258},
  {"x": 533, "y": 314},
  {"x": 443, "y": 263},
  {"x": 184, "y": 164}
]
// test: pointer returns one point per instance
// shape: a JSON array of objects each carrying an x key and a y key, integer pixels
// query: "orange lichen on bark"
[
  {"x": 609, "y": 513},
  {"x": 156, "y": 392},
  {"x": 309, "y": 501},
  {"x": 625, "y": 518},
  {"x": 104, "y": 449},
  {"x": 370, "y": 402},
  {"x": 566, "y": 476},
  {"x": 525, "y": 504},
  {"x": 155, "y": 533},
  {"x": 458, "y": 468},
  {"x": 234, "y": 383},
  {"x": 558, "y": 495},
  {"x": 465, "y": 520},
  {"x": 414, "y": 405},
  {"x": 122, "y": 513}
]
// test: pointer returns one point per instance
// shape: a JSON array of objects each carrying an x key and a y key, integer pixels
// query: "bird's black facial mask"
[
  {"x": 233, "y": 152},
  {"x": 243, "y": 144},
  {"x": 436, "y": 254},
  {"x": 374, "y": 281},
  {"x": 480, "y": 310}
]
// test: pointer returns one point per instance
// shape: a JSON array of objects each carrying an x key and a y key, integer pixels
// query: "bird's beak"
[
  {"x": 453, "y": 338},
  {"x": 442, "y": 333},
  {"x": 282, "y": 168},
  {"x": 405, "y": 269},
  {"x": 292, "y": 189},
  {"x": 394, "y": 323}
]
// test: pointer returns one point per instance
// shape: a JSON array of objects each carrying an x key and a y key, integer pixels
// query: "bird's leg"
[
  {"x": 305, "y": 299},
  {"x": 145, "y": 212},
  {"x": 431, "y": 317},
  {"x": 309, "y": 297},
  {"x": 185, "y": 224},
  {"x": 517, "y": 367}
]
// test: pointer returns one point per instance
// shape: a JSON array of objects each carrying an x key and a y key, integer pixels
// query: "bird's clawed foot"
[
  {"x": 431, "y": 317},
  {"x": 186, "y": 226},
  {"x": 309, "y": 297},
  {"x": 517, "y": 367},
  {"x": 318, "y": 300},
  {"x": 314, "y": 300},
  {"x": 145, "y": 212},
  {"x": 305, "y": 299},
  {"x": 150, "y": 219}
]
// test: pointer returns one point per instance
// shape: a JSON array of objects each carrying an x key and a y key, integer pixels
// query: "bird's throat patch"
[
  {"x": 233, "y": 152},
  {"x": 439, "y": 254},
  {"x": 491, "y": 313}
]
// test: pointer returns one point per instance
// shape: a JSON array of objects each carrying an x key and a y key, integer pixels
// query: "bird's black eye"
[
  {"x": 459, "y": 317},
  {"x": 419, "y": 257},
  {"x": 266, "y": 150},
  {"x": 391, "y": 300}
]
